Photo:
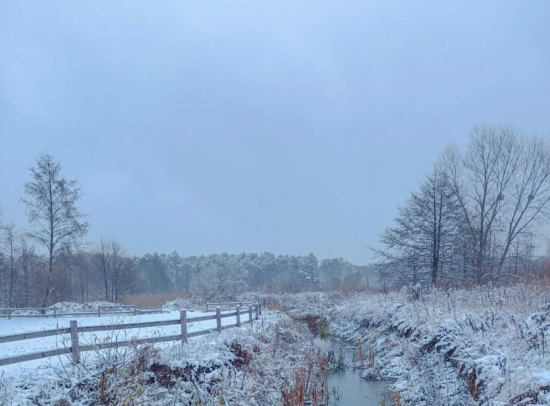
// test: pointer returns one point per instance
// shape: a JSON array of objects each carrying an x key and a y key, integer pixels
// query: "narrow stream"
[{"x": 346, "y": 386}]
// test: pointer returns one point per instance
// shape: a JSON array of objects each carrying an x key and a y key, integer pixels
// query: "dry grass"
[
  {"x": 150, "y": 301},
  {"x": 308, "y": 383}
]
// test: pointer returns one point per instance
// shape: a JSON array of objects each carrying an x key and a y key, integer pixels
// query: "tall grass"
[{"x": 152, "y": 301}]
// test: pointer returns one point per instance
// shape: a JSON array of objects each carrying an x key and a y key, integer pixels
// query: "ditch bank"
[{"x": 483, "y": 346}]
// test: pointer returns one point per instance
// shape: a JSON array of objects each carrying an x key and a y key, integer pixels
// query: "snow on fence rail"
[
  {"x": 52, "y": 311},
  {"x": 230, "y": 304},
  {"x": 75, "y": 349}
]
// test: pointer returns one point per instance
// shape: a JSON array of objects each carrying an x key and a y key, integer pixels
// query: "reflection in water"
[{"x": 345, "y": 385}]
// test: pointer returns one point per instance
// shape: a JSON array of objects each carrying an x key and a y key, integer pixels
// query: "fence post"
[
  {"x": 9, "y": 313},
  {"x": 238, "y": 316},
  {"x": 183, "y": 321},
  {"x": 98, "y": 311},
  {"x": 54, "y": 313},
  {"x": 250, "y": 314},
  {"x": 135, "y": 310},
  {"x": 75, "y": 350},
  {"x": 260, "y": 307},
  {"x": 256, "y": 308},
  {"x": 219, "y": 319},
  {"x": 206, "y": 305}
]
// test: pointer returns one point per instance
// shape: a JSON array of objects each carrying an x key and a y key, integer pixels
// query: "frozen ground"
[
  {"x": 484, "y": 345},
  {"x": 23, "y": 325},
  {"x": 479, "y": 346},
  {"x": 248, "y": 366}
]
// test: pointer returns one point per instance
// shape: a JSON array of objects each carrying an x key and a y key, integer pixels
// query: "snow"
[
  {"x": 270, "y": 352},
  {"x": 73, "y": 307},
  {"x": 484, "y": 345},
  {"x": 177, "y": 304},
  {"x": 24, "y": 325}
]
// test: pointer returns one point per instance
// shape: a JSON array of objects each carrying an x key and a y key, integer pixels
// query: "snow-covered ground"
[
  {"x": 479, "y": 346},
  {"x": 24, "y": 325},
  {"x": 484, "y": 345},
  {"x": 248, "y": 366}
]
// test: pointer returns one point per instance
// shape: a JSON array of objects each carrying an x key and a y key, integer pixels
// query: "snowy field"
[
  {"x": 25, "y": 325},
  {"x": 248, "y": 366}
]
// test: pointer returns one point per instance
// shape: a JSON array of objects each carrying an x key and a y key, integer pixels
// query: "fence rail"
[
  {"x": 230, "y": 304},
  {"x": 52, "y": 311},
  {"x": 75, "y": 349}
]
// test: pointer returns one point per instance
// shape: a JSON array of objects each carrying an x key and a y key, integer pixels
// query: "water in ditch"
[{"x": 345, "y": 385}]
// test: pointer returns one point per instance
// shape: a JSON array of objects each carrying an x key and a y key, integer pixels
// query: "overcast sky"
[{"x": 283, "y": 126}]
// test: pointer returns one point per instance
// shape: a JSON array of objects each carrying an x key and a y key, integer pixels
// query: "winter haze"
[
  {"x": 286, "y": 126},
  {"x": 274, "y": 203}
]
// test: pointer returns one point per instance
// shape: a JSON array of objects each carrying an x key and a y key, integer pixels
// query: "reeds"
[{"x": 308, "y": 386}]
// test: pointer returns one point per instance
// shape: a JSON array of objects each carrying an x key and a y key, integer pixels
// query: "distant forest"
[
  {"x": 50, "y": 261},
  {"x": 106, "y": 272}
]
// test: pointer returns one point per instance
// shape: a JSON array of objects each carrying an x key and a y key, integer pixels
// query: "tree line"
[
  {"x": 476, "y": 214},
  {"x": 50, "y": 260}
]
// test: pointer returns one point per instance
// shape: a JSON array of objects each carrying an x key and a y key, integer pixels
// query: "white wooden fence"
[{"x": 75, "y": 349}]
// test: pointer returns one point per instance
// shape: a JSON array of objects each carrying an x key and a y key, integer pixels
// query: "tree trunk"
[{"x": 48, "y": 283}]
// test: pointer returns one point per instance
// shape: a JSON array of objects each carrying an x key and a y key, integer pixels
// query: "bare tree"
[
  {"x": 82, "y": 261},
  {"x": 420, "y": 244},
  {"x": 502, "y": 186},
  {"x": 3, "y": 265},
  {"x": 113, "y": 269},
  {"x": 51, "y": 203},
  {"x": 102, "y": 266},
  {"x": 10, "y": 241},
  {"x": 27, "y": 264},
  {"x": 119, "y": 269},
  {"x": 529, "y": 194}
]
